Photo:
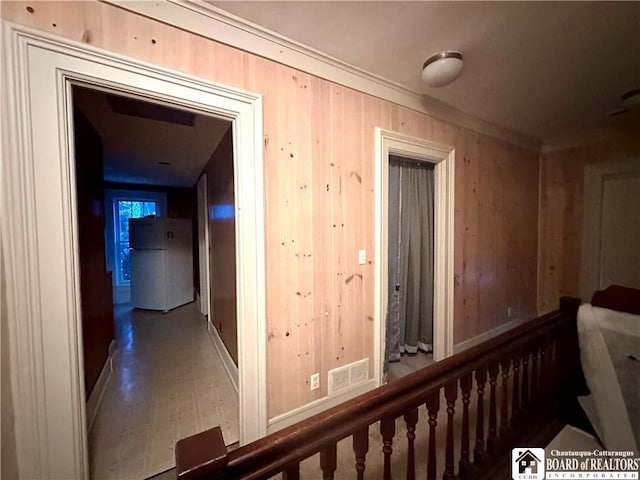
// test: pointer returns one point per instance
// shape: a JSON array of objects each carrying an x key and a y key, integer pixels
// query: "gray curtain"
[{"x": 410, "y": 276}]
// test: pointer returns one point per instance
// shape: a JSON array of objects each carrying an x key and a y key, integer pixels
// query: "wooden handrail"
[{"x": 204, "y": 455}]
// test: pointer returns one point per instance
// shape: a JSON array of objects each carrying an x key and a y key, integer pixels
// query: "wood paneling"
[
  {"x": 561, "y": 210},
  {"x": 95, "y": 282},
  {"x": 319, "y": 147},
  {"x": 222, "y": 243}
]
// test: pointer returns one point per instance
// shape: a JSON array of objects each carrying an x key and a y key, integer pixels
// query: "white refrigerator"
[{"x": 161, "y": 263}]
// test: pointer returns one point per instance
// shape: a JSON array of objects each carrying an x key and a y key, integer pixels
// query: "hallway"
[{"x": 168, "y": 382}]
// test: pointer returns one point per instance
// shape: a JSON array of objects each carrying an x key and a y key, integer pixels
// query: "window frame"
[
  {"x": 112, "y": 197},
  {"x": 117, "y": 235}
]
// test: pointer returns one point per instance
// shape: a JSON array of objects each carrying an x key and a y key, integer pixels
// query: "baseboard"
[
  {"x": 113, "y": 346},
  {"x": 227, "y": 361},
  {"x": 200, "y": 302},
  {"x": 95, "y": 397},
  {"x": 483, "y": 337},
  {"x": 317, "y": 406}
]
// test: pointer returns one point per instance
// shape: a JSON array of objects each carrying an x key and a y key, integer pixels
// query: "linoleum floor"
[{"x": 168, "y": 382}]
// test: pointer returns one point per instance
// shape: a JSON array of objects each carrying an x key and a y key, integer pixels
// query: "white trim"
[
  {"x": 96, "y": 395},
  {"x": 217, "y": 24},
  {"x": 197, "y": 300},
  {"x": 591, "y": 136},
  {"x": 302, "y": 413},
  {"x": 227, "y": 361},
  {"x": 594, "y": 178},
  {"x": 488, "y": 335},
  {"x": 204, "y": 296},
  {"x": 38, "y": 222},
  {"x": 443, "y": 158}
]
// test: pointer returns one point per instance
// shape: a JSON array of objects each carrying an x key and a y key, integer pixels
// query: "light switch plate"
[{"x": 362, "y": 257}]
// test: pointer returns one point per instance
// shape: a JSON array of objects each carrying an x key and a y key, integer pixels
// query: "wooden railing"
[{"x": 515, "y": 386}]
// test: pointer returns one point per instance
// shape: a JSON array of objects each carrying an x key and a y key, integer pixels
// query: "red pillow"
[{"x": 616, "y": 297}]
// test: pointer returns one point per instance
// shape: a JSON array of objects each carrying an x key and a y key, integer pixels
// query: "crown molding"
[
  {"x": 614, "y": 131},
  {"x": 211, "y": 22},
  {"x": 576, "y": 140}
]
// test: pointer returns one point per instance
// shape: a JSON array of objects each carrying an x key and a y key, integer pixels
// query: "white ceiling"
[
  {"x": 133, "y": 146},
  {"x": 543, "y": 69}
]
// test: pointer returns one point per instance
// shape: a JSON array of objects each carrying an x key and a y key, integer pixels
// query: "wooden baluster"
[
  {"x": 387, "y": 430},
  {"x": 553, "y": 364},
  {"x": 524, "y": 395},
  {"x": 535, "y": 394},
  {"x": 478, "y": 451},
  {"x": 411, "y": 419},
  {"x": 494, "y": 368},
  {"x": 543, "y": 384},
  {"x": 451, "y": 395},
  {"x": 292, "y": 473},
  {"x": 515, "y": 402},
  {"x": 433, "y": 405},
  {"x": 360, "y": 448},
  {"x": 504, "y": 407},
  {"x": 328, "y": 461},
  {"x": 553, "y": 373},
  {"x": 465, "y": 386}
]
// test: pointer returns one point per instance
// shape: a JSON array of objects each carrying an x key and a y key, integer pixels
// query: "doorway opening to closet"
[
  {"x": 414, "y": 248},
  {"x": 409, "y": 316}
]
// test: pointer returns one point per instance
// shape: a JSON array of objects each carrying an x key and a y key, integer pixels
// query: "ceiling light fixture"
[
  {"x": 630, "y": 102},
  {"x": 631, "y": 99},
  {"x": 442, "y": 68}
]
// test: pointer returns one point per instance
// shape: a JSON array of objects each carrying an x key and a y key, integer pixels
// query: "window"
[
  {"x": 124, "y": 210},
  {"x": 120, "y": 206}
]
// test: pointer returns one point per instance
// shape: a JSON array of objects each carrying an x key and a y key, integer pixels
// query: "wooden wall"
[
  {"x": 95, "y": 279},
  {"x": 222, "y": 244},
  {"x": 319, "y": 147},
  {"x": 561, "y": 208}
]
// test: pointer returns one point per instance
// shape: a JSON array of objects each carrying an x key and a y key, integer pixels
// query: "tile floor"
[{"x": 168, "y": 382}]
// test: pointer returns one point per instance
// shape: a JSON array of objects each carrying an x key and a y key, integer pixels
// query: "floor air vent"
[{"x": 348, "y": 375}]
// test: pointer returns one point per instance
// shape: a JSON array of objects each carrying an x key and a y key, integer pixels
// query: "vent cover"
[{"x": 346, "y": 376}]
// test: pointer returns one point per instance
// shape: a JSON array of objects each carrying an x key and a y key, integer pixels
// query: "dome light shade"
[
  {"x": 631, "y": 99},
  {"x": 442, "y": 68}
]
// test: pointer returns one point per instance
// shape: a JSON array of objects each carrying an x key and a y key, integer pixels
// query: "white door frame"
[
  {"x": 443, "y": 158},
  {"x": 594, "y": 177},
  {"x": 38, "y": 225},
  {"x": 203, "y": 246}
]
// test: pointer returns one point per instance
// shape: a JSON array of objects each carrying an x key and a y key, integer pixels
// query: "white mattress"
[{"x": 608, "y": 341}]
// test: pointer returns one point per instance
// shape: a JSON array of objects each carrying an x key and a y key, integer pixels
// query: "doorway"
[
  {"x": 440, "y": 160},
  {"x": 162, "y": 378},
  {"x": 41, "y": 221},
  {"x": 611, "y": 226},
  {"x": 409, "y": 316}
]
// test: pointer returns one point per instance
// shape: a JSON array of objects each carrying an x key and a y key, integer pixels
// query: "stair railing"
[{"x": 517, "y": 384}]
